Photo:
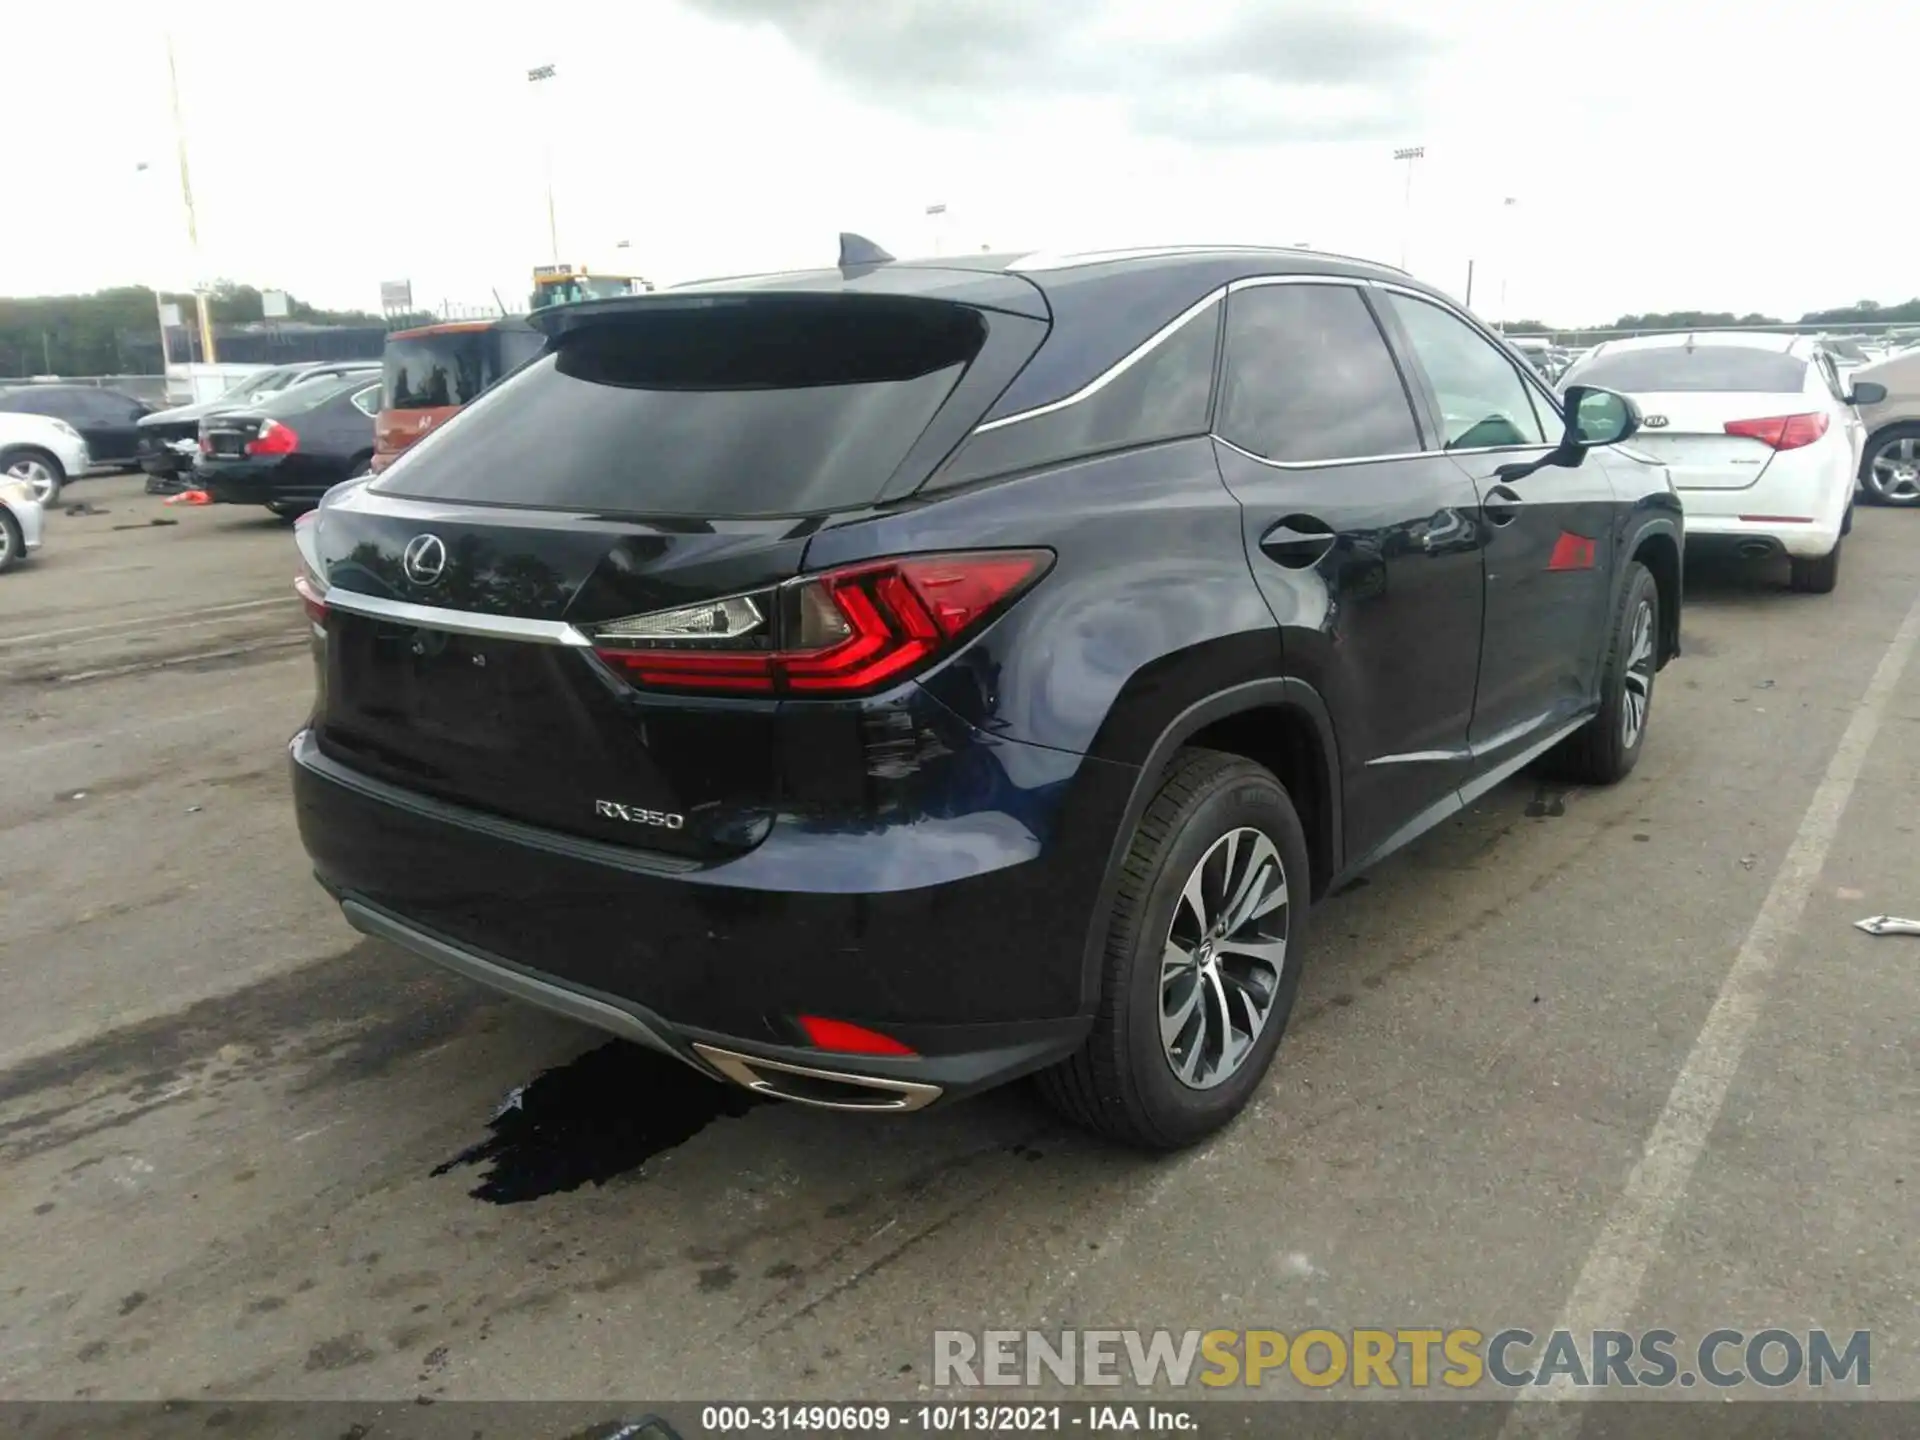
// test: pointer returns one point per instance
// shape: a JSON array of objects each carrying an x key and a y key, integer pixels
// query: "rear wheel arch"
[
  {"x": 1659, "y": 550},
  {"x": 1281, "y": 724}
]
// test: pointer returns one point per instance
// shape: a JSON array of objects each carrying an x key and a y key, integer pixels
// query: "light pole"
[
  {"x": 938, "y": 214},
  {"x": 159, "y": 305},
  {"x": 534, "y": 77},
  {"x": 1506, "y": 256},
  {"x": 1409, "y": 154},
  {"x": 186, "y": 194}
]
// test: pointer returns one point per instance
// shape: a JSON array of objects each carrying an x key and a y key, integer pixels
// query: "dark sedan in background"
[
  {"x": 169, "y": 439},
  {"x": 106, "y": 419},
  {"x": 288, "y": 452}
]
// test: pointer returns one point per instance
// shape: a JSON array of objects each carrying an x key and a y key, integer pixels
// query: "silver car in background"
[
  {"x": 22, "y": 522},
  {"x": 43, "y": 452}
]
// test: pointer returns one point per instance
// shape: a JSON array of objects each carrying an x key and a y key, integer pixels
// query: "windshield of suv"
[
  {"x": 766, "y": 409},
  {"x": 1698, "y": 367}
]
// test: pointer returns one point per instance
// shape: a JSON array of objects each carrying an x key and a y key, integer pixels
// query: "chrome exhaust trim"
[{"x": 895, "y": 1096}]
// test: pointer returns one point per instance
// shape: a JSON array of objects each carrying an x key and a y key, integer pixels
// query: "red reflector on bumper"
[{"x": 850, "y": 1039}]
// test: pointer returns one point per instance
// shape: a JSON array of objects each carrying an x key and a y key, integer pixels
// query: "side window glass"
[
  {"x": 1164, "y": 395},
  {"x": 1308, "y": 377},
  {"x": 1549, "y": 416},
  {"x": 367, "y": 401},
  {"x": 1483, "y": 400}
]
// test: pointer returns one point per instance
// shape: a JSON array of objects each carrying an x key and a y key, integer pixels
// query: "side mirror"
[
  {"x": 1866, "y": 392},
  {"x": 1597, "y": 417}
]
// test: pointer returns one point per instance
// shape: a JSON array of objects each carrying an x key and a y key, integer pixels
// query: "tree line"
[
  {"x": 89, "y": 334},
  {"x": 1864, "y": 312}
]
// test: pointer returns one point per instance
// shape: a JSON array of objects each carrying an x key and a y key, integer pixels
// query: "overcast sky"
[{"x": 1661, "y": 153}]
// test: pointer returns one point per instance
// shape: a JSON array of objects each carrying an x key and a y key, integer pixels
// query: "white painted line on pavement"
[
  {"x": 1608, "y": 1287},
  {"x": 174, "y": 621},
  {"x": 141, "y": 727}
]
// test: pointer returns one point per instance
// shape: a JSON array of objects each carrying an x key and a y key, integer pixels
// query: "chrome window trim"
[
  {"x": 1112, "y": 372},
  {"x": 1529, "y": 378},
  {"x": 1256, "y": 282},
  {"x": 456, "y": 622}
]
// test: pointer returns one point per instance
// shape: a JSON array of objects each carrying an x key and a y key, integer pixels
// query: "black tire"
[
  {"x": 13, "y": 545},
  {"x": 1603, "y": 751},
  {"x": 1816, "y": 576},
  {"x": 50, "y": 462},
  {"x": 1121, "y": 1083},
  {"x": 1887, "y": 440},
  {"x": 362, "y": 468},
  {"x": 289, "y": 510}
]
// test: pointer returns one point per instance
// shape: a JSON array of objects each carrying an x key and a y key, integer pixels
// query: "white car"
[
  {"x": 42, "y": 451},
  {"x": 21, "y": 515},
  {"x": 1758, "y": 431}
]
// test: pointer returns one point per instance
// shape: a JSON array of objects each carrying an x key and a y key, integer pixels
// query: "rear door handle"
[
  {"x": 1502, "y": 505},
  {"x": 1298, "y": 541}
]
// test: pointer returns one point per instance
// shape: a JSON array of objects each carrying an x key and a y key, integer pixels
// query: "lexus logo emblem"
[
  {"x": 424, "y": 559},
  {"x": 1654, "y": 422}
]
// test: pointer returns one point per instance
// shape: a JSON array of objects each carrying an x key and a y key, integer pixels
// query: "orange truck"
[{"x": 430, "y": 372}]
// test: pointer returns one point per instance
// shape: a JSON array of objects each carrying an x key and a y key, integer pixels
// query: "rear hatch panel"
[{"x": 565, "y": 499}]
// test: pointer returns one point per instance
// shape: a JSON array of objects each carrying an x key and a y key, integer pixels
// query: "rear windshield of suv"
[
  {"x": 452, "y": 367},
  {"x": 767, "y": 407},
  {"x": 1701, "y": 367}
]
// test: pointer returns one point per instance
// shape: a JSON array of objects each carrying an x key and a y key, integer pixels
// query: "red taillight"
[
  {"x": 274, "y": 439},
  {"x": 1782, "y": 432},
  {"x": 311, "y": 599},
  {"x": 206, "y": 443},
  {"x": 845, "y": 630},
  {"x": 850, "y": 1039}
]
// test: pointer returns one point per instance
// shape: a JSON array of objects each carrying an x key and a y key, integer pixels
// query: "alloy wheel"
[
  {"x": 1220, "y": 968},
  {"x": 1896, "y": 470},
  {"x": 1639, "y": 677},
  {"x": 36, "y": 474}
]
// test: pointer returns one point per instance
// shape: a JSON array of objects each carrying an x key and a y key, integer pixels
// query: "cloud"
[{"x": 1207, "y": 71}]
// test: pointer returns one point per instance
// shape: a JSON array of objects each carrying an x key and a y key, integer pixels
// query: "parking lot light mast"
[
  {"x": 938, "y": 214},
  {"x": 140, "y": 167},
  {"x": 1506, "y": 257},
  {"x": 1409, "y": 154},
  {"x": 186, "y": 194},
  {"x": 534, "y": 76}
]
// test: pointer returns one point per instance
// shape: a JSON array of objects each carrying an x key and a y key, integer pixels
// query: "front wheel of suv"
[
  {"x": 1202, "y": 959},
  {"x": 1605, "y": 750}
]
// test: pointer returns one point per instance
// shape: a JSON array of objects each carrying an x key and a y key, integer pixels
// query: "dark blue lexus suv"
[{"x": 873, "y": 684}]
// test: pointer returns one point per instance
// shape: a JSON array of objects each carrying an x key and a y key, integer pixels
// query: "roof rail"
[{"x": 1058, "y": 260}]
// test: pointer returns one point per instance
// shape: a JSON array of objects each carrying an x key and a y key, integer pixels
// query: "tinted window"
[
  {"x": 1691, "y": 367},
  {"x": 425, "y": 372},
  {"x": 31, "y": 400},
  {"x": 769, "y": 407},
  {"x": 1163, "y": 395},
  {"x": 1483, "y": 400},
  {"x": 1308, "y": 377},
  {"x": 367, "y": 401}
]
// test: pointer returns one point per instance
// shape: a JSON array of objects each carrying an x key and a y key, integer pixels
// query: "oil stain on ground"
[{"x": 598, "y": 1116}]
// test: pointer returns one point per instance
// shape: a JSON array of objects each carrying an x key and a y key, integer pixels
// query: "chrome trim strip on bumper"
[
  {"x": 892, "y": 1095},
  {"x": 457, "y": 622},
  {"x": 508, "y": 980}
]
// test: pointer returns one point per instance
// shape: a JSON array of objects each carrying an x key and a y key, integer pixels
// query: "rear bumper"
[
  {"x": 979, "y": 973},
  {"x": 1808, "y": 539},
  {"x": 1797, "y": 507},
  {"x": 254, "y": 483}
]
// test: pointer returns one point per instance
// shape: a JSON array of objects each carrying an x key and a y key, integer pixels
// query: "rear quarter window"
[
  {"x": 769, "y": 407},
  {"x": 1166, "y": 394},
  {"x": 1680, "y": 368}
]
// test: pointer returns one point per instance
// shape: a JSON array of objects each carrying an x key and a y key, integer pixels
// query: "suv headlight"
[
  {"x": 65, "y": 429},
  {"x": 16, "y": 492}
]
